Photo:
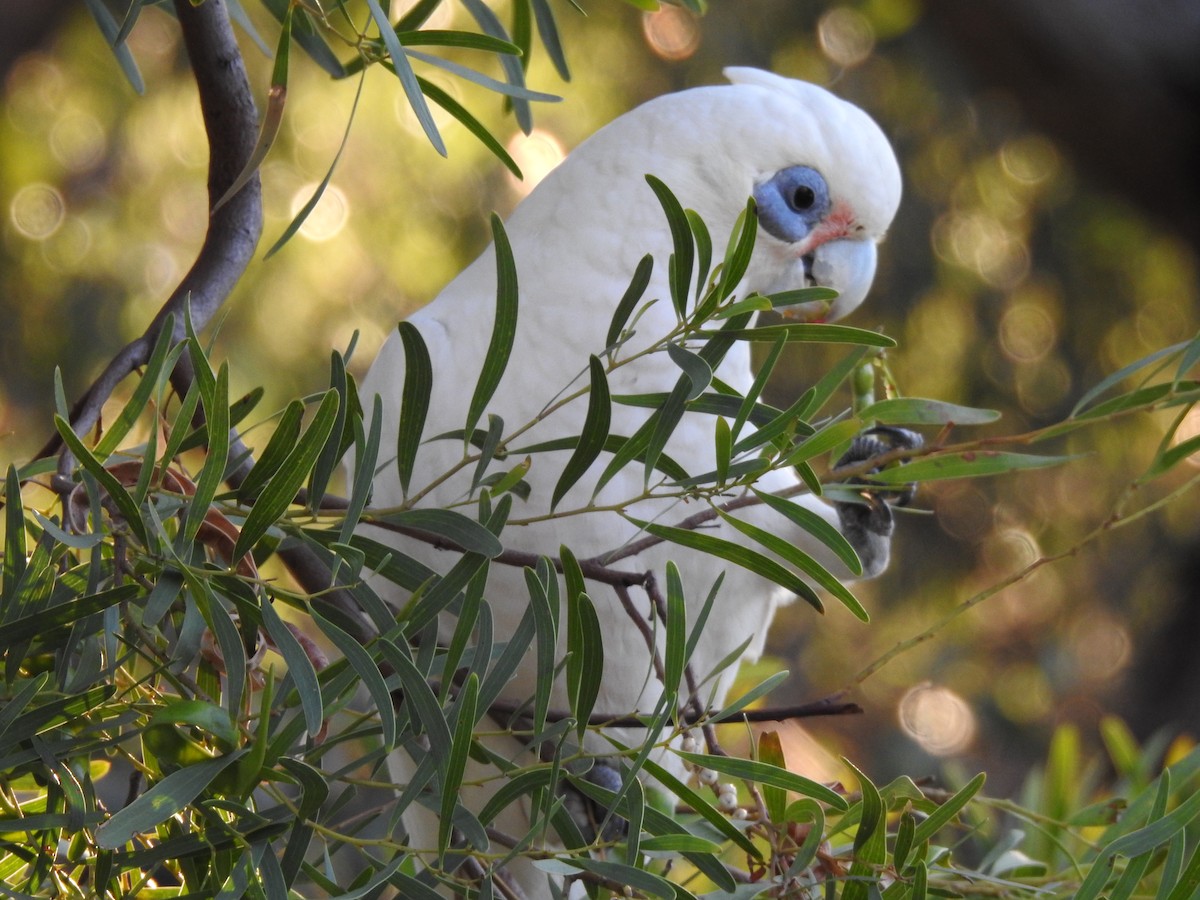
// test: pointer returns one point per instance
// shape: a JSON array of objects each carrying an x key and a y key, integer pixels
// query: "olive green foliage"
[{"x": 180, "y": 719}]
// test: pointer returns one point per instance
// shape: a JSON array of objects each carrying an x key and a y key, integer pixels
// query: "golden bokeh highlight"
[
  {"x": 327, "y": 219},
  {"x": 938, "y": 719},
  {"x": 37, "y": 211},
  {"x": 845, "y": 36},
  {"x": 537, "y": 154},
  {"x": 671, "y": 32}
]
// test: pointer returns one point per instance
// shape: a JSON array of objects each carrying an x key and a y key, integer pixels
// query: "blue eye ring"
[{"x": 792, "y": 202}]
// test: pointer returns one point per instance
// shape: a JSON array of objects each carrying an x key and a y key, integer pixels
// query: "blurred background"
[{"x": 1048, "y": 236}]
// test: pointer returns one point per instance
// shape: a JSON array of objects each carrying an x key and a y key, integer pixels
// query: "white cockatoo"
[{"x": 826, "y": 185}]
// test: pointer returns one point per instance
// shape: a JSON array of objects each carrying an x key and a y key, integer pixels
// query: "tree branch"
[{"x": 231, "y": 123}]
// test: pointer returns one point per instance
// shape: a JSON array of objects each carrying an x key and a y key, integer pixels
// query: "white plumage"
[{"x": 576, "y": 239}]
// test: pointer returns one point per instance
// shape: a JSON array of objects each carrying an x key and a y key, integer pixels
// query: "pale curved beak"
[{"x": 846, "y": 265}]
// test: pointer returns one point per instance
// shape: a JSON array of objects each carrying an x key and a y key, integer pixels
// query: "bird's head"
[{"x": 826, "y": 185}]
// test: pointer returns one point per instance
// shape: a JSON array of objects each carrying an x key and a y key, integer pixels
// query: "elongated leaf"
[
  {"x": 869, "y": 848},
  {"x": 759, "y": 690},
  {"x": 812, "y": 333},
  {"x": 763, "y": 773},
  {"x": 213, "y": 473},
  {"x": 368, "y": 672},
  {"x": 917, "y": 411},
  {"x": 971, "y": 464},
  {"x": 14, "y": 537},
  {"x": 945, "y": 812},
  {"x": 770, "y": 751},
  {"x": 511, "y": 89},
  {"x": 280, "y": 491},
  {"x": 408, "y": 78},
  {"x": 472, "y": 124},
  {"x": 282, "y": 442},
  {"x": 306, "y": 35},
  {"x": 414, "y": 401},
  {"x": 366, "y": 452},
  {"x": 548, "y": 31},
  {"x": 60, "y": 615},
  {"x": 487, "y": 452},
  {"x": 681, "y": 239},
  {"x": 748, "y": 559},
  {"x": 786, "y": 423},
  {"x": 420, "y": 699},
  {"x": 637, "y": 288},
  {"x": 457, "y": 762},
  {"x": 302, "y": 215},
  {"x": 300, "y": 667},
  {"x": 140, "y": 398},
  {"x": 712, "y": 404},
  {"x": 676, "y": 627},
  {"x": 513, "y": 70},
  {"x": 453, "y": 526},
  {"x": 703, "y": 248},
  {"x": 504, "y": 330},
  {"x": 823, "y": 441},
  {"x": 165, "y": 799},
  {"x": 738, "y": 250},
  {"x": 756, "y": 389},
  {"x": 111, "y": 30},
  {"x": 695, "y": 368},
  {"x": 1124, "y": 372},
  {"x": 816, "y": 526},
  {"x": 594, "y": 435},
  {"x": 467, "y": 40},
  {"x": 124, "y": 502}
]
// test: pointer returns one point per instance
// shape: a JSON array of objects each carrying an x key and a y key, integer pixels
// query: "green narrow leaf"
[
  {"x": 124, "y": 502},
  {"x": 472, "y": 124},
  {"x": 735, "y": 553},
  {"x": 763, "y": 773},
  {"x": 696, "y": 369},
  {"x": 272, "y": 116},
  {"x": 457, "y": 762},
  {"x": 918, "y": 411},
  {"x": 331, "y": 453},
  {"x": 112, "y": 34},
  {"x": 213, "y": 473},
  {"x": 676, "y": 645},
  {"x": 280, "y": 491},
  {"x": 870, "y": 850},
  {"x": 1124, "y": 372},
  {"x": 302, "y": 215},
  {"x": 723, "y": 440},
  {"x": 366, "y": 453},
  {"x": 904, "y": 839},
  {"x": 274, "y": 454},
  {"x": 812, "y": 523},
  {"x": 408, "y": 78},
  {"x": 738, "y": 250},
  {"x": 637, "y": 288},
  {"x": 140, "y": 398},
  {"x": 300, "y": 667},
  {"x": 681, "y": 239},
  {"x": 14, "y": 537},
  {"x": 756, "y": 389},
  {"x": 414, "y": 401},
  {"x": 833, "y": 435},
  {"x": 545, "y": 642},
  {"x": 770, "y": 751},
  {"x": 970, "y": 464},
  {"x": 704, "y": 248},
  {"x": 421, "y": 701},
  {"x": 368, "y": 672},
  {"x": 504, "y": 330},
  {"x": 487, "y": 452},
  {"x": 812, "y": 333},
  {"x": 167, "y": 798},
  {"x": 946, "y": 812},
  {"x": 548, "y": 31},
  {"x": 594, "y": 435},
  {"x": 759, "y": 690},
  {"x": 451, "y": 525}
]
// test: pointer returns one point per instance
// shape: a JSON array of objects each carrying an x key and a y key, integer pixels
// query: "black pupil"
[{"x": 803, "y": 198}]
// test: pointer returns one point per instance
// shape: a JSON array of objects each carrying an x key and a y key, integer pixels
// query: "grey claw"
[
  {"x": 588, "y": 814},
  {"x": 875, "y": 442}
]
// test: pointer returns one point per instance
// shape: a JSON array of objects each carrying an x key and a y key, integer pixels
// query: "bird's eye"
[
  {"x": 803, "y": 198},
  {"x": 791, "y": 202}
]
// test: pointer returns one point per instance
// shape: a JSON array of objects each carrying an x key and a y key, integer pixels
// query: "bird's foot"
[
  {"x": 867, "y": 521},
  {"x": 593, "y": 819}
]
